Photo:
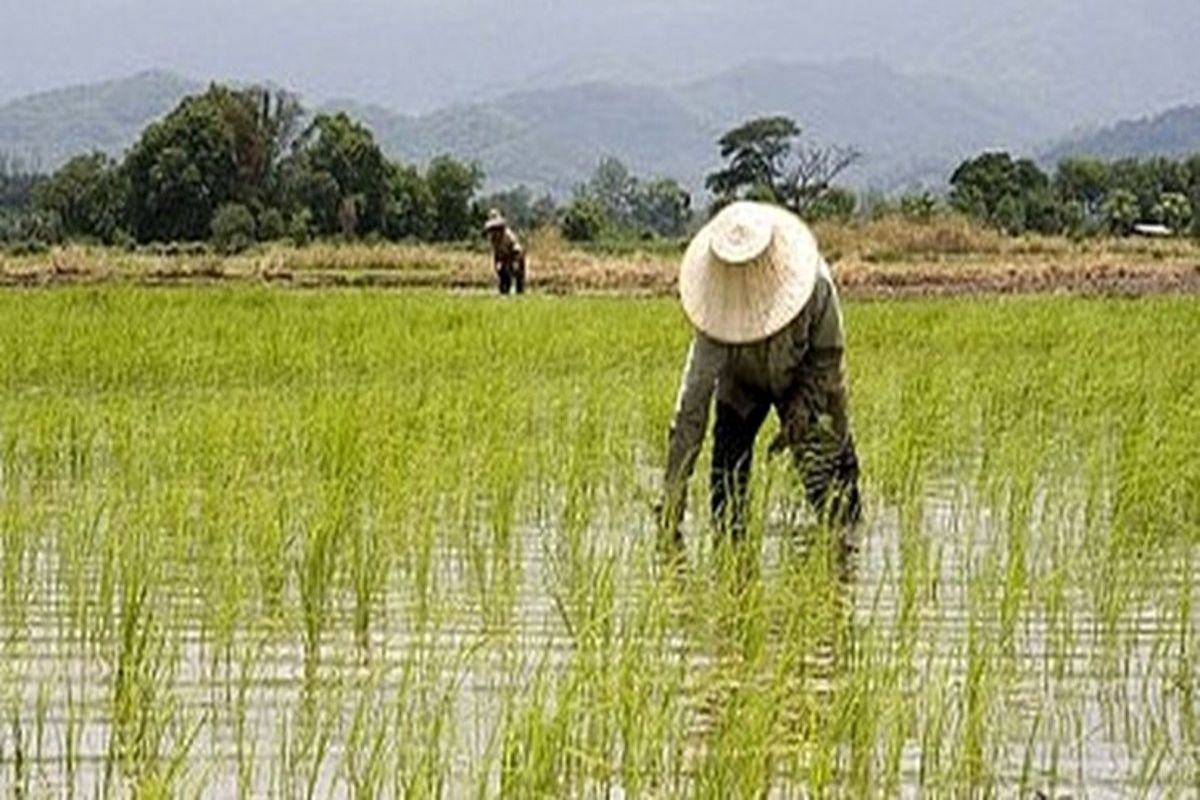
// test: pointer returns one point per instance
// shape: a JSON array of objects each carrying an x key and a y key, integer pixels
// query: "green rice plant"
[{"x": 384, "y": 544}]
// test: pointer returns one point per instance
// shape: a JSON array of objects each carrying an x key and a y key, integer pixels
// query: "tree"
[
  {"x": 88, "y": 194},
  {"x": 1121, "y": 211},
  {"x": 411, "y": 213},
  {"x": 180, "y": 171},
  {"x": 615, "y": 188},
  {"x": 585, "y": 219},
  {"x": 17, "y": 184},
  {"x": 1192, "y": 167},
  {"x": 217, "y": 147},
  {"x": 337, "y": 171},
  {"x": 1083, "y": 180},
  {"x": 767, "y": 159},
  {"x": 921, "y": 207},
  {"x": 1173, "y": 210},
  {"x": 1045, "y": 213},
  {"x": 453, "y": 185},
  {"x": 271, "y": 225},
  {"x": 515, "y": 204},
  {"x": 662, "y": 206},
  {"x": 543, "y": 212},
  {"x": 233, "y": 228},
  {"x": 995, "y": 188},
  {"x": 838, "y": 203},
  {"x": 1130, "y": 176},
  {"x": 31, "y": 228}
]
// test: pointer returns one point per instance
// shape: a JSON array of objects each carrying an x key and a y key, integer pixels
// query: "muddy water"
[{"x": 1080, "y": 702}]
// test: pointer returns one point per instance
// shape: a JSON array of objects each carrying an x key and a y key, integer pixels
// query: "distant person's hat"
[
  {"x": 495, "y": 220},
  {"x": 748, "y": 273}
]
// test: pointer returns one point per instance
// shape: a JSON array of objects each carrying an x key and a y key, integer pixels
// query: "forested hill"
[
  {"x": 910, "y": 129},
  {"x": 1174, "y": 133},
  {"x": 46, "y": 129}
]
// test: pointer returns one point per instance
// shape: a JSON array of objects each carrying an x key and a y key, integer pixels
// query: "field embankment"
[{"x": 885, "y": 258}]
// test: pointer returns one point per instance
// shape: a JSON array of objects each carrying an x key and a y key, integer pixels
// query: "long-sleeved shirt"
[
  {"x": 508, "y": 249},
  {"x": 798, "y": 370}
]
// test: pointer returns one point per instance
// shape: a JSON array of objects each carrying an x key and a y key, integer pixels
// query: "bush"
[
  {"x": 271, "y": 226},
  {"x": 584, "y": 220},
  {"x": 124, "y": 240},
  {"x": 836, "y": 203},
  {"x": 31, "y": 227},
  {"x": 233, "y": 228},
  {"x": 921, "y": 207},
  {"x": 300, "y": 228}
]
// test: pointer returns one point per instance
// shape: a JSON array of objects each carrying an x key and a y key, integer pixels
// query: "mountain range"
[
  {"x": 1174, "y": 133},
  {"x": 911, "y": 129}
]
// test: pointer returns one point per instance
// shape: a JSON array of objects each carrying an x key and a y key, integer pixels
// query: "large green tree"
[
  {"x": 615, "y": 188},
  {"x": 88, "y": 194},
  {"x": 217, "y": 147},
  {"x": 17, "y": 184},
  {"x": 338, "y": 173},
  {"x": 1003, "y": 191},
  {"x": 453, "y": 184},
  {"x": 180, "y": 171},
  {"x": 662, "y": 206},
  {"x": 768, "y": 159},
  {"x": 411, "y": 213},
  {"x": 1083, "y": 181}
]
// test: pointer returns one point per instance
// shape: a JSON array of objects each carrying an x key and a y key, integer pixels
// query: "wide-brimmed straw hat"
[
  {"x": 494, "y": 220},
  {"x": 748, "y": 273}
]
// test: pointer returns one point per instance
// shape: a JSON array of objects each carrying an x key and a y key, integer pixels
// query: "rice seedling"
[{"x": 355, "y": 543}]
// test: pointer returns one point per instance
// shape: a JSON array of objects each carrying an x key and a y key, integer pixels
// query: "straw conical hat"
[
  {"x": 748, "y": 273},
  {"x": 494, "y": 220}
]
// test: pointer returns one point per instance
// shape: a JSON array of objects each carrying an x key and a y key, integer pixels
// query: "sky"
[{"x": 1107, "y": 56}]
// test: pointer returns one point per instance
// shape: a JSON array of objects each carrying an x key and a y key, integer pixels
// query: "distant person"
[
  {"x": 768, "y": 334},
  {"x": 508, "y": 258}
]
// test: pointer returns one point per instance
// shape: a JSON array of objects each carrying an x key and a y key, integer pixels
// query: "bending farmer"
[
  {"x": 508, "y": 258},
  {"x": 768, "y": 335}
]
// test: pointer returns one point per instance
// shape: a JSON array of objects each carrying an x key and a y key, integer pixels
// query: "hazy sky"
[{"x": 418, "y": 54}]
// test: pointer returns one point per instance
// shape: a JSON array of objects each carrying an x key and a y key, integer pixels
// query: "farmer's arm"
[
  {"x": 825, "y": 369},
  {"x": 688, "y": 426}
]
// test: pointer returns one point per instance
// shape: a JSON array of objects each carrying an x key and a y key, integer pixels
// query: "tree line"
[
  {"x": 1083, "y": 196},
  {"x": 238, "y": 166}
]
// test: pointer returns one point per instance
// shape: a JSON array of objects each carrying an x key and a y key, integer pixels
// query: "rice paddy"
[{"x": 260, "y": 543}]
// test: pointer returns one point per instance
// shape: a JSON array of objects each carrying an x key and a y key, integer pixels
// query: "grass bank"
[{"x": 888, "y": 257}]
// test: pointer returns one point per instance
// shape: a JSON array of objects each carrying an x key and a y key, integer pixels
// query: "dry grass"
[{"x": 888, "y": 256}]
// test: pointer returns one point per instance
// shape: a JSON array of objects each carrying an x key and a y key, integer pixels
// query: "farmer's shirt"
[
  {"x": 509, "y": 248},
  {"x": 798, "y": 370}
]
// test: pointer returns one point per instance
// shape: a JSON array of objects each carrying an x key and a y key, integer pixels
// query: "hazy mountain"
[
  {"x": 912, "y": 130},
  {"x": 1077, "y": 61},
  {"x": 48, "y": 128},
  {"x": 1174, "y": 133}
]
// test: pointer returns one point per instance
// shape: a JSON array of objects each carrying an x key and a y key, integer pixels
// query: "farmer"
[
  {"x": 508, "y": 258},
  {"x": 768, "y": 334}
]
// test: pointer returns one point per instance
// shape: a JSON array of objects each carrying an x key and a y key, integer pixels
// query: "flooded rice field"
[{"x": 358, "y": 545}]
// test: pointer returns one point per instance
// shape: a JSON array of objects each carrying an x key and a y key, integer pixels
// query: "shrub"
[
  {"x": 584, "y": 220},
  {"x": 271, "y": 226},
  {"x": 300, "y": 228},
  {"x": 233, "y": 228}
]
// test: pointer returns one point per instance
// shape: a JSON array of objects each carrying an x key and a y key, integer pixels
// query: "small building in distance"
[{"x": 1152, "y": 231}]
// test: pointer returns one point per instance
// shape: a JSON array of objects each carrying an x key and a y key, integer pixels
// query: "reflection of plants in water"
[{"x": 392, "y": 545}]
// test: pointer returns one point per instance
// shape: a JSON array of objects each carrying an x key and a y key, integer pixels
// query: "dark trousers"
[
  {"x": 828, "y": 469},
  {"x": 511, "y": 275}
]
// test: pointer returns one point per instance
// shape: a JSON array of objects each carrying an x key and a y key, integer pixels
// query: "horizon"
[{"x": 421, "y": 55}]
